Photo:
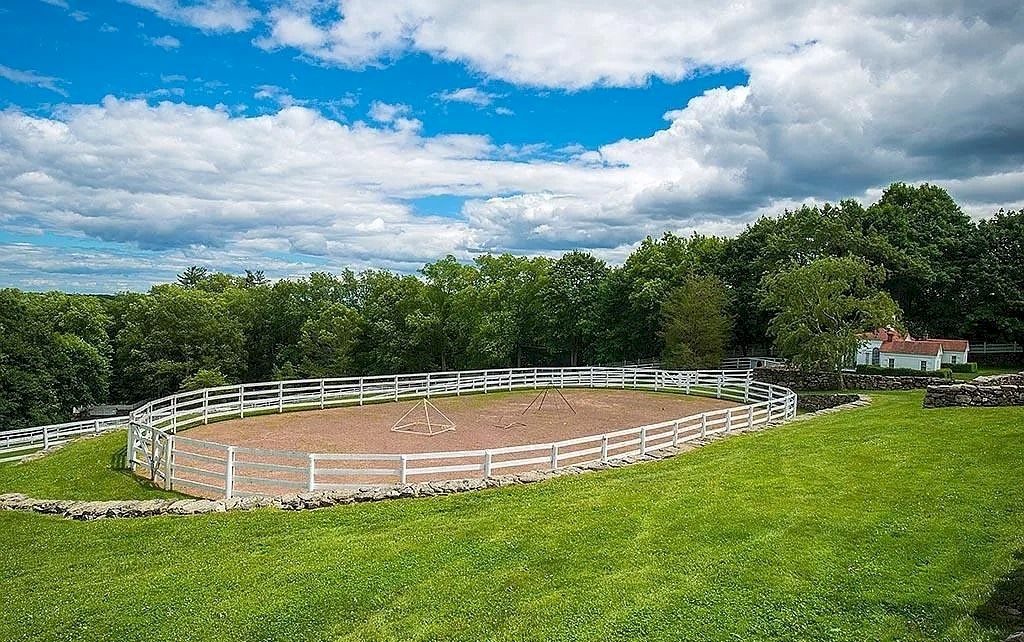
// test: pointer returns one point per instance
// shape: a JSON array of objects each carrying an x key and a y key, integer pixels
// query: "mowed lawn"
[{"x": 885, "y": 523}]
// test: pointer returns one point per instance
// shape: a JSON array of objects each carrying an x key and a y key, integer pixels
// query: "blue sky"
[{"x": 142, "y": 136}]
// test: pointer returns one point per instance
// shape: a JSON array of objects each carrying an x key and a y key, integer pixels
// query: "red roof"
[
  {"x": 881, "y": 334},
  {"x": 954, "y": 345},
  {"x": 925, "y": 348}
]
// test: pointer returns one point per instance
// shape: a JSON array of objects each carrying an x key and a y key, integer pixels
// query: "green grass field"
[
  {"x": 986, "y": 371},
  {"x": 884, "y": 523}
]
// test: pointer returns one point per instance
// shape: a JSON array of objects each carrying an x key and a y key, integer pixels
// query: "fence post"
[
  {"x": 241, "y": 401},
  {"x": 534, "y": 378},
  {"x": 746, "y": 390},
  {"x": 174, "y": 413},
  {"x": 770, "y": 403},
  {"x": 152, "y": 455},
  {"x": 428, "y": 385},
  {"x": 96, "y": 427},
  {"x": 510, "y": 373},
  {"x": 718, "y": 391},
  {"x": 396, "y": 387},
  {"x": 229, "y": 473},
  {"x": 485, "y": 381},
  {"x": 129, "y": 450},
  {"x": 311, "y": 472},
  {"x": 168, "y": 461},
  {"x": 458, "y": 383},
  {"x": 728, "y": 420},
  {"x": 604, "y": 448},
  {"x": 403, "y": 467},
  {"x": 280, "y": 396},
  {"x": 323, "y": 394},
  {"x": 750, "y": 416},
  {"x": 675, "y": 434},
  {"x": 488, "y": 461},
  {"x": 643, "y": 440},
  {"x": 554, "y": 456},
  {"x": 591, "y": 376},
  {"x": 206, "y": 405},
  {"x": 362, "y": 386},
  {"x": 46, "y": 437},
  {"x": 703, "y": 425}
]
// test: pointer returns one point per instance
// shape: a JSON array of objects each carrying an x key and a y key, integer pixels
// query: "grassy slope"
[
  {"x": 87, "y": 469},
  {"x": 889, "y": 523}
]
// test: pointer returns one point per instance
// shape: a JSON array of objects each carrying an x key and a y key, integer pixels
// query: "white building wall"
[
  {"x": 865, "y": 350},
  {"x": 912, "y": 361},
  {"x": 947, "y": 356}
]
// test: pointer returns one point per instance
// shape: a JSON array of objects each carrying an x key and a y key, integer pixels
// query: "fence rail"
[
  {"x": 984, "y": 347},
  {"x": 749, "y": 363},
  {"x": 20, "y": 443},
  {"x": 157, "y": 451}
]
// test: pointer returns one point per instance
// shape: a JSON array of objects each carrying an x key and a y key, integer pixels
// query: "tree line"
[{"x": 913, "y": 258}]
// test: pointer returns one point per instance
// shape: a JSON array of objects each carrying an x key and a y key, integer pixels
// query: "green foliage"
[
  {"x": 970, "y": 366},
  {"x": 951, "y": 276},
  {"x": 695, "y": 325},
  {"x": 171, "y": 334},
  {"x": 995, "y": 282},
  {"x": 945, "y": 373},
  {"x": 328, "y": 341},
  {"x": 572, "y": 303},
  {"x": 54, "y": 356},
  {"x": 822, "y": 307},
  {"x": 204, "y": 378},
  {"x": 890, "y": 522}
]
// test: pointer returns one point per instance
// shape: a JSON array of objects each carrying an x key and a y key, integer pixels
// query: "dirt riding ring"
[{"x": 327, "y": 434}]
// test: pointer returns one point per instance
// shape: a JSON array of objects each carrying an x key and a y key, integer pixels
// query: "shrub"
[
  {"x": 944, "y": 373},
  {"x": 970, "y": 366}
]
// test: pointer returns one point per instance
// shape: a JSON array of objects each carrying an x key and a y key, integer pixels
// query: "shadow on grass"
[
  {"x": 1004, "y": 609},
  {"x": 119, "y": 465}
]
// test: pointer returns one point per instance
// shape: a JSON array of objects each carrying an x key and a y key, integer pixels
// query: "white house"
[{"x": 889, "y": 349}]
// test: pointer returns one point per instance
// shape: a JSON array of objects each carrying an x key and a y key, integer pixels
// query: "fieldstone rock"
[
  {"x": 795, "y": 379},
  {"x": 971, "y": 394}
]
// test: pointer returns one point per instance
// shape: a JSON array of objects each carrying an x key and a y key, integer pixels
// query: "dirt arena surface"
[{"x": 481, "y": 421}]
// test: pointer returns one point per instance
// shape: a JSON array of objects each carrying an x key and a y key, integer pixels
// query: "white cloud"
[
  {"x": 165, "y": 42},
  {"x": 207, "y": 15},
  {"x": 471, "y": 95},
  {"x": 24, "y": 77},
  {"x": 840, "y": 101}
]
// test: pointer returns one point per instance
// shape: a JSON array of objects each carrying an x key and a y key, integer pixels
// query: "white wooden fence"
[
  {"x": 23, "y": 442},
  {"x": 984, "y": 347},
  {"x": 748, "y": 363},
  {"x": 156, "y": 450}
]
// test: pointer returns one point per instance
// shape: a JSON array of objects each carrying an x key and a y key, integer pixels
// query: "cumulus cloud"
[
  {"x": 24, "y": 77},
  {"x": 207, "y": 15},
  {"x": 471, "y": 95},
  {"x": 840, "y": 101},
  {"x": 165, "y": 42}
]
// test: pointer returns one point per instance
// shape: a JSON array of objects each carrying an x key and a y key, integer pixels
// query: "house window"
[
  {"x": 952, "y": 358},
  {"x": 924, "y": 365},
  {"x": 892, "y": 362},
  {"x": 875, "y": 357}
]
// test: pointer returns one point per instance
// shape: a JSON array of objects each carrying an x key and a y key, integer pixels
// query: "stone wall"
[
  {"x": 1000, "y": 380},
  {"x": 814, "y": 403},
  {"x": 969, "y": 394},
  {"x": 801, "y": 380}
]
